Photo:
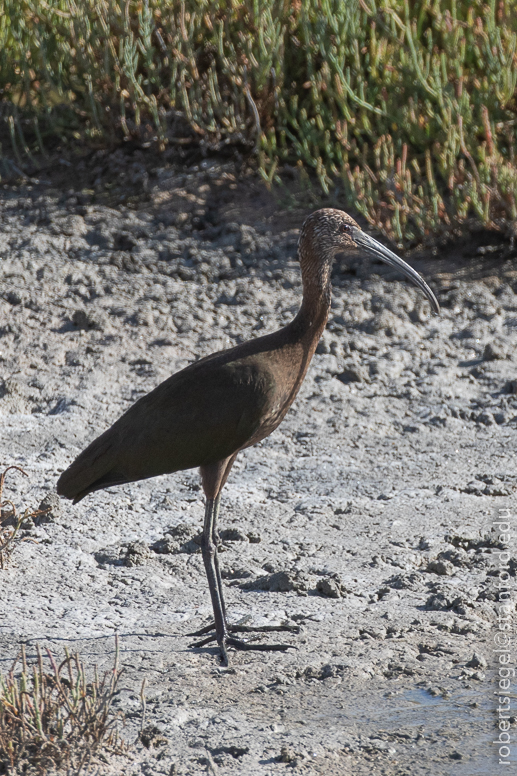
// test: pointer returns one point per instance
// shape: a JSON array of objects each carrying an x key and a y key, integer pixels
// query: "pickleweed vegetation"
[
  {"x": 52, "y": 717},
  {"x": 407, "y": 109}
]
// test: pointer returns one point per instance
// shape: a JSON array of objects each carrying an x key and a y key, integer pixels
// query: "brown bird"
[{"x": 204, "y": 415}]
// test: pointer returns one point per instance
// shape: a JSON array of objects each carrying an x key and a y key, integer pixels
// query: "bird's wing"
[{"x": 200, "y": 415}]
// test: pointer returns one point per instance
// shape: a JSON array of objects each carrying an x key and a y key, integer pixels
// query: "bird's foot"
[{"x": 226, "y": 640}]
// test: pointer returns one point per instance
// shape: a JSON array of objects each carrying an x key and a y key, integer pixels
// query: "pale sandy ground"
[{"x": 380, "y": 487}]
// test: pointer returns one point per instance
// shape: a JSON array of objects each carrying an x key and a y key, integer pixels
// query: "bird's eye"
[{"x": 344, "y": 228}]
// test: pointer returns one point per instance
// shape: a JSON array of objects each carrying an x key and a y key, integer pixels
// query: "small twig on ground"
[
  {"x": 211, "y": 766},
  {"x": 144, "y": 704},
  {"x": 10, "y": 521}
]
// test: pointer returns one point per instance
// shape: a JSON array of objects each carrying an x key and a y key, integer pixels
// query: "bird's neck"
[
  {"x": 314, "y": 311},
  {"x": 313, "y": 314}
]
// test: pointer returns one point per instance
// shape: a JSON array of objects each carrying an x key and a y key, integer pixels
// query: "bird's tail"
[{"x": 92, "y": 470}]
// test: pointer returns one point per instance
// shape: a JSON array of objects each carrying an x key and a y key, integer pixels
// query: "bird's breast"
[{"x": 285, "y": 377}]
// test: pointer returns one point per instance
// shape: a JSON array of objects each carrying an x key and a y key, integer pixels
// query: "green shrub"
[{"x": 408, "y": 107}]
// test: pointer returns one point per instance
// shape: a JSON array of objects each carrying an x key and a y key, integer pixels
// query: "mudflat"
[{"x": 368, "y": 518}]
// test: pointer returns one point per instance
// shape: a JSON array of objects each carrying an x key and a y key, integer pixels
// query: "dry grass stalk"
[
  {"x": 51, "y": 717},
  {"x": 11, "y": 521}
]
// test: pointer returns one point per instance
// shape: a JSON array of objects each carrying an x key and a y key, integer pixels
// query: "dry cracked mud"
[{"x": 367, "y": 518}]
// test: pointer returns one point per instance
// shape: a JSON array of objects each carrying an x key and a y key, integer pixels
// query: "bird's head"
[{"x": 327, "y": 232}]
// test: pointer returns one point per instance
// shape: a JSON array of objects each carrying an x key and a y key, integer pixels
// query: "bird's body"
[{"x": 204, "y": 415}]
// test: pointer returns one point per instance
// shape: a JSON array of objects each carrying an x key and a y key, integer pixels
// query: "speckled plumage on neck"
[{"x": 317, "y": 247}]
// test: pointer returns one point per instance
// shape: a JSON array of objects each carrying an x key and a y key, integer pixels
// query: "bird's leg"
[
  {"x": 217, "y": 543},
  {"x": 222, "y": 629},
  {"x": 210, "y": 559},
  {"x": 213, "y": 477}
]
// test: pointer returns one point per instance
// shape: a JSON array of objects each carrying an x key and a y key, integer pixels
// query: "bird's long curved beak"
[{"x": 374, "y": 248}]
